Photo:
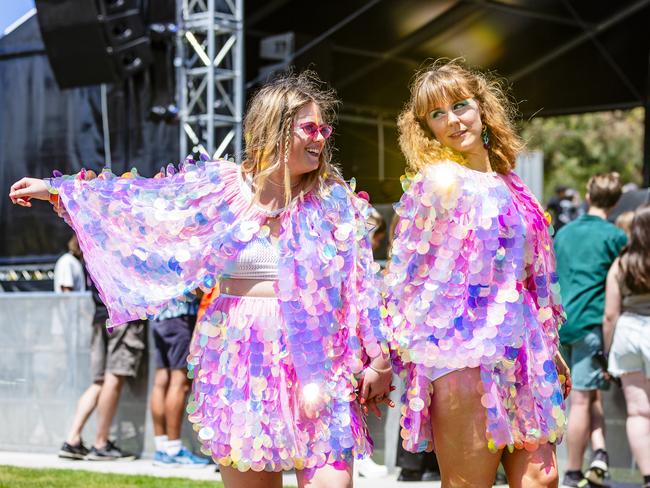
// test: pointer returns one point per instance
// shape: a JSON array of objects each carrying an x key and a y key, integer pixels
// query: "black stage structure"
[{"x": 561, "y": 57}]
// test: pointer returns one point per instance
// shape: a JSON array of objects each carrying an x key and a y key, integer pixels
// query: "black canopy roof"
[{"x": 560, "y": 56}]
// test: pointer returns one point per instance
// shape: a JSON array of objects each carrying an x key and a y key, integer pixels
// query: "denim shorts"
[
  {"x": 172, "y": 339},
  {"x": 586, "y": 362},
  {"x": 630, "y": 352}
]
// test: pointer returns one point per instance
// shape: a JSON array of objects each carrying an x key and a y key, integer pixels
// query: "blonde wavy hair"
[
  {"x": 269, "y": 126},
  {"x": 449, "y": 80}
]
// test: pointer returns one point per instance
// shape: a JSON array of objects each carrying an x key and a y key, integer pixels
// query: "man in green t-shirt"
[{"x": 585, "y": 250}]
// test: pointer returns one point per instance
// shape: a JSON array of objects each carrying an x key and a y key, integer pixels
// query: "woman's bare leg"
[
  {"x": 326, "y": 477},
  {"x": 636, "y": 388},
  {"x": 233, "y": 478},
  {"x": 459, "y": 423},
  {"x": 534, "y": 469}
]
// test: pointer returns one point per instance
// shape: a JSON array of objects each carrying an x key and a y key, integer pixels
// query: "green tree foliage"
[{"x": 577, "y": 146}]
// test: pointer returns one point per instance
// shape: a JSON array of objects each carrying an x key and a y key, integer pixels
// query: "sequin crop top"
[{"x": 257, "y": 261}]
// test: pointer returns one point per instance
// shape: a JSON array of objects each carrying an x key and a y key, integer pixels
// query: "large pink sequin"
[
  {"x": 472, "y": 284},
  {"x": 148, "y": 243}
]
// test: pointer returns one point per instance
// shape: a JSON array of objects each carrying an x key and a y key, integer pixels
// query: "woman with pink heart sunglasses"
[{"x": 295, "y": 338}]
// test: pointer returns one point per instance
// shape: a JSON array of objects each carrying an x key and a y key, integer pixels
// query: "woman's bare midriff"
[{"x": 247, "y": 288}]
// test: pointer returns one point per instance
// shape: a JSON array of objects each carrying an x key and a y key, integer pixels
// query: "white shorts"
[
  {"x": 440, "y": 372},
  {"x": 630, "y": 352}
]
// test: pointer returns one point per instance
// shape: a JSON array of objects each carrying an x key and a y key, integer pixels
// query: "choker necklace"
[
  {"x": 282, "y": 185},
  {"x": 270, "y": 213}
]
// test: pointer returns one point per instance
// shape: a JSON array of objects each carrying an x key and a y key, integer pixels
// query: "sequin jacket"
[
  {"x": 149, "y": 242},
  {"x": 472, "y": 283}
]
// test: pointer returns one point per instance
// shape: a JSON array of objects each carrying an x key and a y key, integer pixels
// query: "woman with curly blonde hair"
[
  {"x": 277, "y": 357},
  {"x": 472, "y": 295}
]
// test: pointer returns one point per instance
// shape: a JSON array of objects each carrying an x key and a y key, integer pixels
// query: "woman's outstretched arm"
[{"x": 147, "y": 242}]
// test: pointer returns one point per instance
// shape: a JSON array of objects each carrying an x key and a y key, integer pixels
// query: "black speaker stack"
[{"x": 94, "y": 41}]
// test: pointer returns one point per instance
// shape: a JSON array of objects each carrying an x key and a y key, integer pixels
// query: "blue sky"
[{"x": 12, "y": 10}]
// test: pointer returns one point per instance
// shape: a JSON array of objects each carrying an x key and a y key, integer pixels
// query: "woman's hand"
[
  {"x": 25, "y": 189},
  {"x": 375, "y": 388},
  {"x": 373, "y": 405},
  {"x": 563, "y": 373}
]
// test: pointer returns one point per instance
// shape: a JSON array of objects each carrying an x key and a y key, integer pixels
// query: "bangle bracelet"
[{"x": 380, "y": 371}]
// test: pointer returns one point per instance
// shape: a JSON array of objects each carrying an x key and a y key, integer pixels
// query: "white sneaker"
[{"x": 370, "y": 469}]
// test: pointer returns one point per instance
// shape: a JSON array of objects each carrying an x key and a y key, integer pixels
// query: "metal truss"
[{"x": 210, "y": 74}]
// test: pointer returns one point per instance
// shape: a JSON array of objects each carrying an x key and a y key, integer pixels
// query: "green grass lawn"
[{"x": 12, "y": 477}]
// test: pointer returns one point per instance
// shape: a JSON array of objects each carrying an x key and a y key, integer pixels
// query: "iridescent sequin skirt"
[
  {"x": 245, "y": 402},
  {"x": 522, "y": 396}
]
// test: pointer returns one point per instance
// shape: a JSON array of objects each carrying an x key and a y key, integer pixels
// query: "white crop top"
[{"x": 257, "y": 261}]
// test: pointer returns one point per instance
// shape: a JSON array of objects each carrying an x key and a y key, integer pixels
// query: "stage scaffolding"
[{"x": 210, "y": 74}]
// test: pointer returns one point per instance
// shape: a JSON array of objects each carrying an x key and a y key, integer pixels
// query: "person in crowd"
[
  {"x": 110, "y": 356},
  {"x": 68, "y": 270},
  {"x": 417, "y": 466},
  {"x": 585, "y": 250},
  {"x": 276, "y": 357},
  {"x": 114, "y": 357},
  {"x": 472, "y": 292},
  {"x": 563, "y": 206},
  {"x": 172, "y": 333},
  {"x": 626, "y": 331},
  {"x": 624, "y": 222}
]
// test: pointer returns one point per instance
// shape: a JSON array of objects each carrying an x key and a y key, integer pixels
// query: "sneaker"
[
  {"x": 187, "y": 459},
  {"x": 370, "y": 469},
  {"x": 164, "y": 460},
  {"x": 110, "y": 452},
  {"x": 430, "y": 475},
  {"x": 573, "y": 479},
  {"x": 599, "y": 468},
  {"x": 410, "y": 475},
  {"x": 77, "y": 451}
]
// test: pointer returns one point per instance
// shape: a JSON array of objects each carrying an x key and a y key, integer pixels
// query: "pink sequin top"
[{"x": 472, "y": 284}]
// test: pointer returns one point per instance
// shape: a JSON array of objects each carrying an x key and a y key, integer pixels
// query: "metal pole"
[
  {"x": 211, "y": 69},
  {"x": 646, "y": 135},
  {"x": 108, "y": 162},
  {"x": 380, "y": 148},
  {"x": 239, "y": 82},
  {"x": 181, "y": 78}
]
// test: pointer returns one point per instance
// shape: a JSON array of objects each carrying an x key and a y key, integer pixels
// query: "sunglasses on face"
[{"x": 312, "y": 129}]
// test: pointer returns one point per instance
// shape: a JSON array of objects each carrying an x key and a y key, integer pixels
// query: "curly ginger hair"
[{"x": 447, "y": 81}]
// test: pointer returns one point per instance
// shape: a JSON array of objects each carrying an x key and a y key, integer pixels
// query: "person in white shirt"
[
  {"x": 68, "y": 270},
  {"x": 113, "y": 358}
]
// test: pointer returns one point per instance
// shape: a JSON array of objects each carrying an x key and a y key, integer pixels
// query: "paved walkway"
[{"x": 145, "y": 467}]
